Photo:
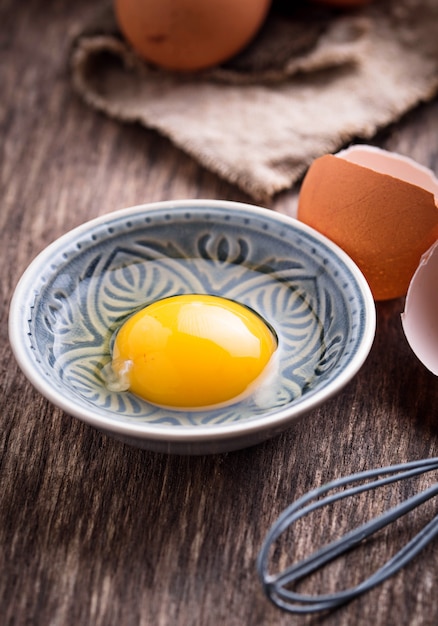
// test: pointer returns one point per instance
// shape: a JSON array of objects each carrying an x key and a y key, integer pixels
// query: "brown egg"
[
  {"x": 189, "y": 34},
  {"x": 379, "y": 207}
]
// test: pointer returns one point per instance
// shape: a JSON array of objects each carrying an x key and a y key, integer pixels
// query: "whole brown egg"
[{"x": 189, "y": 34}]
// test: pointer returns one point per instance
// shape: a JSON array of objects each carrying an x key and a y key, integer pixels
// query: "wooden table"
[{"x": 93, "y": 532}]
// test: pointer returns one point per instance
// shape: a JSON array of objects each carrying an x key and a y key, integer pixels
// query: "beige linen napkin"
[{"x": 311, "y": 81}]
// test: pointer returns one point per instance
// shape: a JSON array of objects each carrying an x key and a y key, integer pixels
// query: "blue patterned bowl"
[{"x": 79, "y": 290}]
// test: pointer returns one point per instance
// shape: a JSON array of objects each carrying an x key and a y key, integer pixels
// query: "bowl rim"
[{"x": 276, "y": 421}]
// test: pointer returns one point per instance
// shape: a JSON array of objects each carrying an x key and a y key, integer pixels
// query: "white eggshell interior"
[
  {"x": 420, "y": 317},
  {"x": 392, "y": 164}
]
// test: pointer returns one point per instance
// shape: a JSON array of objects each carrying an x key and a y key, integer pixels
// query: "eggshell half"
[
  {"x": 380, "y": 207},
  {"x": 420, "y": 317}
]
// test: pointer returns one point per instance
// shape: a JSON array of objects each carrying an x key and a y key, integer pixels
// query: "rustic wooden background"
[{"x": 95, "y": 532}]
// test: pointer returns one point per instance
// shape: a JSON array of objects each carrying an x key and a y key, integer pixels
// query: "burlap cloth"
[{"x": 311, "y": 81}]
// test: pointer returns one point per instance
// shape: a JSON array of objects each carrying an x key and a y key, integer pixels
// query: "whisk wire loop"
[{"x": 275, "y": 585}]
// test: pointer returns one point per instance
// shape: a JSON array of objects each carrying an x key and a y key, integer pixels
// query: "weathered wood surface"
[{"x": 96, "y": 532}]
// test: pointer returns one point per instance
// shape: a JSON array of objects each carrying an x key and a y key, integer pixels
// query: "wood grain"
[{"x": 95, "y": 532}]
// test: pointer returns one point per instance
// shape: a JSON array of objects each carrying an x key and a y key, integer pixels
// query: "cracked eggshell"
[
  {"x": 380, "y": 207},
  {"x": 420, "y": 317}
]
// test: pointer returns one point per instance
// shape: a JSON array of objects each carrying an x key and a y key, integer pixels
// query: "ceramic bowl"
[{"x": 77, "y": 292}]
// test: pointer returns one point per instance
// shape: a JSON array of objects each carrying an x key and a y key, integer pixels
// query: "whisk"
[{"x": 278, "y": 586}]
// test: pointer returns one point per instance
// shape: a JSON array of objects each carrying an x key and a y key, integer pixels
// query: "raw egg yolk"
[{"x": 192, "y": 351}]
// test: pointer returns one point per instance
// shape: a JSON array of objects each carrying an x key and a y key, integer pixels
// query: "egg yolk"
[{"x": 192, "y": 351}]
